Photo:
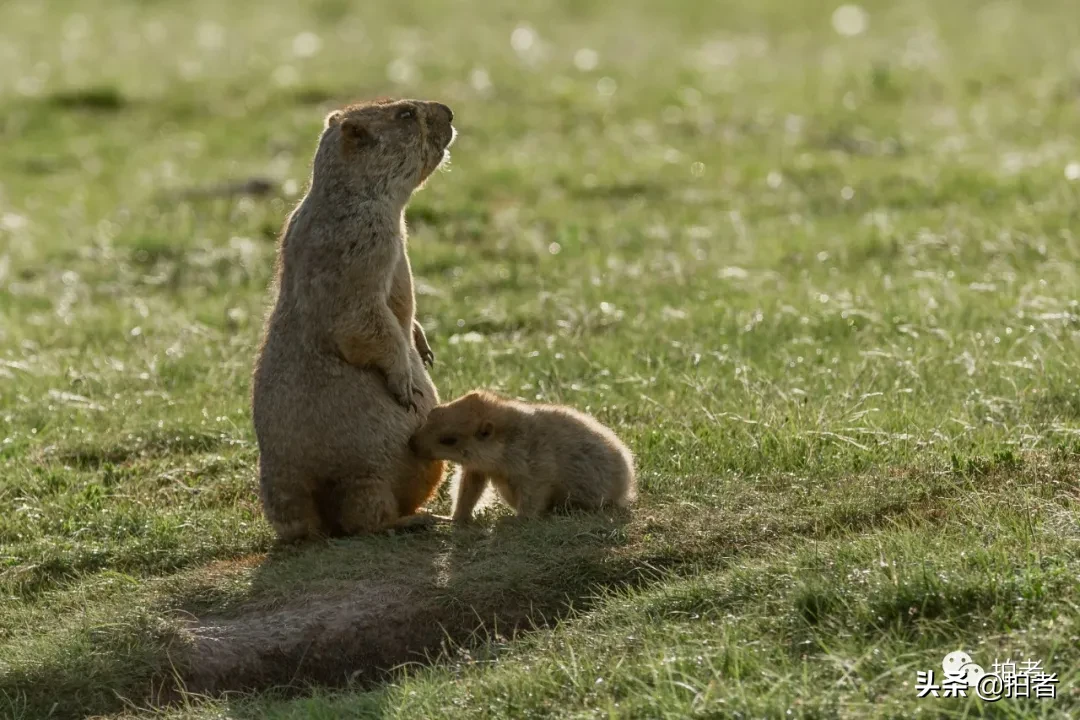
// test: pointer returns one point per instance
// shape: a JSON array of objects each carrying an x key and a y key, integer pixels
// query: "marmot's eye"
[
  {"x": 406, "y": 114},
  {"x": 449, "y": 440}
]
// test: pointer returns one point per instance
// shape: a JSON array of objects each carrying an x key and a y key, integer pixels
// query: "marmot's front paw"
[
  {"x": 422, "y": 347},
  {"x": 402, "y": 388}
]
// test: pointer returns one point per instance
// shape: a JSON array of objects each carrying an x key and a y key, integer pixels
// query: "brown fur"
[
  {"x": 538, "y": 457},
  {"x": 340, "y": 384}
]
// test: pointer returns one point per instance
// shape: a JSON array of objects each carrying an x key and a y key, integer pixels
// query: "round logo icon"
[{"x": 958, "y": 666}]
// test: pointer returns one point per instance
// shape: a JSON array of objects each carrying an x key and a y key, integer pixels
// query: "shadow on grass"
[
  {"x": 352, "y": 610},
  {"x": 100, "y": 99},
  {"x": 148, "y": 445},
  {"x": 329, "y": 614}
]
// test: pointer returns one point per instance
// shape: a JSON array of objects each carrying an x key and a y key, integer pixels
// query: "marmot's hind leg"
[
  {"x": 290, "y": 507},
  {"x": 534, "y": 501},
  {"x": 369, "y": 506},
  {"x": 366, "y": 506}
]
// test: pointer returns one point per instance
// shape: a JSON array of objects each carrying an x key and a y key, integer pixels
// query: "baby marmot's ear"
[
  {"x": 334, "y": 118},
  {"x": 486, "y": 429},
  {"x": 357, "y": 132}
]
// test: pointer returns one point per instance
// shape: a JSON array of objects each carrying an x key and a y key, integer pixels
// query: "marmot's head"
[
  {"x": 467, "y": 431},
  {"x": 388, "y": 147}
]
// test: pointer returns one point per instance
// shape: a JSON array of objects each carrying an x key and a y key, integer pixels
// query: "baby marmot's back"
[{"x": 537, "y": 456}]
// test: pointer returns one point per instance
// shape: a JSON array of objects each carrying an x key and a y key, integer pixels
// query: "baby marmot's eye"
[
  {"x": 406, "y": 114},
  {"x": 449, "y": 440}
]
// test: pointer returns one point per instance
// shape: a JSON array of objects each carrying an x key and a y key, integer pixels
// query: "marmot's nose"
[{"x": 446, "y": 109}]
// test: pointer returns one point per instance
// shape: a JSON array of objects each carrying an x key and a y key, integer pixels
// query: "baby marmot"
[{"x": 538, "y": 457}]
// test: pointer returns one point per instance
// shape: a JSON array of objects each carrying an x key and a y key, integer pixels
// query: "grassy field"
[{"x": 819, "y": 268}]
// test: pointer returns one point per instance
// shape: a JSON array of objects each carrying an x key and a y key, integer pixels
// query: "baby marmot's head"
[
  {"x": 466, "y": 431},
  {"x": 388, "y": 147}
]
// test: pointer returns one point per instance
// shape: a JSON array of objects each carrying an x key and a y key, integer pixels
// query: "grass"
[{"x": 826, "y": 286}]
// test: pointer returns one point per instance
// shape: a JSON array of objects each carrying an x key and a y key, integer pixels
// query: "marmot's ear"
[
  {"x": 357, "y": 132},
  {"x": 486, "y": 429},
  {"x": 334, "y": 118}
]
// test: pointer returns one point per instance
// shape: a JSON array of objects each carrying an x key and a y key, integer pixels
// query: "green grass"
[{"x": 826, "y": 287}]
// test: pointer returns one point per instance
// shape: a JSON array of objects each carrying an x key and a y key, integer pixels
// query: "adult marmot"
[{"x": 339, "y": 383}]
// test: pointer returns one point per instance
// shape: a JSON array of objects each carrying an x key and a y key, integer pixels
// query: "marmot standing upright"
[
  {"x": 538, "y": 457},
  {"x": 339, "y": 384}
]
